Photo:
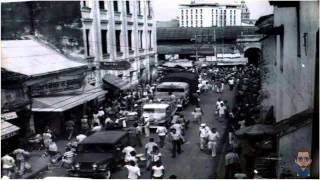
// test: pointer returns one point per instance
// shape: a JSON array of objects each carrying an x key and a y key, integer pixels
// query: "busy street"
[{"x": 159, "y": 89}]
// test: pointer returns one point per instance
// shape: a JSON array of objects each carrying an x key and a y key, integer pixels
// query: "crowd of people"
[{"x": 115, "y": 112}]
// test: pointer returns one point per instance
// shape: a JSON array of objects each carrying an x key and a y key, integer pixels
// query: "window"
[
  {"x": 191, "y": 11},
  {"x": 200, "y": 11},
  {"x": 101, "y": 5},
  {"x": 139, "y": 7},
  {"x": 150, "y": 39},
  {"x": 201, "y": 22},
  {"x": 87, "y": 41},
  {"x": 216, "y": 11},
  {"x": 130, "y": 39},
  {"x": 128, "y": 7},
  {"x": 196, "y": 11},
  {"x": 118, "y": 44},
  {"x": 181, "y": 23},
  {"x": 104, "y": 41},
  {"x": 149, "y": 8},
  {"x": 234, "y": 11},
  {"x": 281, "y": 52},
  {"x": 140, "y": 33},
  {"x": 115, "y": 6},
  {"x": 186, "y": 11},
  {"x": 181, "y": 11}
]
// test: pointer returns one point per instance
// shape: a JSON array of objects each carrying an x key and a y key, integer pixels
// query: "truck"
[
  {"x": 180, "y": 90},
  {"x": 184, "y": 77}
]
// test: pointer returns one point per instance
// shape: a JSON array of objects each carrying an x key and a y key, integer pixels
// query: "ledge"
[
  {"x": 131, "y": 51},
  {"x": 119, "y": 53}
]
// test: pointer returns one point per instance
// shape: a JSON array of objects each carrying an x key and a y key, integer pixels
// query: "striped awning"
[{"x": 8, "y": 130}]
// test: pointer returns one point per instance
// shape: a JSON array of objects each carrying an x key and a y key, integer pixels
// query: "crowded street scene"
[{"x": 121, "y": 90}]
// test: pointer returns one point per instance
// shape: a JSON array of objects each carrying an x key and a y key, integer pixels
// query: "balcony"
[
  {"x": 149, "y": 17},
  {"x": 106, "y": 56},
  {"x": 117, "y": 22},
  {"x": 150, "y": 24},
  {"x": 85, "y": 9},
  {"x": 119, "y": 53},
  {"x": 140, "y": 16},
  {"x": 141, "y": 50},
  {"x": 130, "y": 23},
  {"x": 129, "y": 15},
  {"x": 88, "y": 20},
  {"x": 90, "y": 59},
  {"x": 150, "y": 49},
  {"x": 131, "y": 51},
  {"x": 117, "y": 13},
  {"x": 140, "y": 23}
]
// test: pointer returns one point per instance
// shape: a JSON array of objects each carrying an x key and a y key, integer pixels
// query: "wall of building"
[
  {"x": 296, "y": 81},
  {"x": 295, "y": 72},
  {"x": 94, "y": 19}
]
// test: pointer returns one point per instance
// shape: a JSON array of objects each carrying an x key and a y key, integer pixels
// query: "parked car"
[{"x": 99, "y": 154}]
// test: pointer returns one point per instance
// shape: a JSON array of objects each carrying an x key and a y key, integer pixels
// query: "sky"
[{"x": 165, "y": 10}]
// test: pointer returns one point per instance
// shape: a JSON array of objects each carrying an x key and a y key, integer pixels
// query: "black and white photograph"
[{"x": 159, "y": 89}]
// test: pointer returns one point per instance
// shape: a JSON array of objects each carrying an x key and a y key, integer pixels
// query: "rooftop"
[
  {"x": 32, "y": 58},
  {"x": 104, "y": 137}
]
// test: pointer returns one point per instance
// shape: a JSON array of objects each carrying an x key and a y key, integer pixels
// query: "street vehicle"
[
  {"x": 159, "y": 113},
  {"x": 99, "y": 154},
  {"x": 180, "y": 90},
  {"x": 187, "y": 77}
]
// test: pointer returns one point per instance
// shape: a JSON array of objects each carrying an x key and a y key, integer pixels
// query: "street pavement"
[{"x": 191, "y": 163}]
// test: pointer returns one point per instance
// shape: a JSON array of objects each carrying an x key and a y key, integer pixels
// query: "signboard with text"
[
  {"x": 59, "y": 84},
  {"x": 117, "y": 65}
]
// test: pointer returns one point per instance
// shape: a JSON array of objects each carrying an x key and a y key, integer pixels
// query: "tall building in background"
[
  {"x": 204, "y": 13},
  {"x": 120, "y": 30},
  {"x": 245, "y": 13}
]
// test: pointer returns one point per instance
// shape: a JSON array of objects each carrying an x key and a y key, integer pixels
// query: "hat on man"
[{"x": 203, "y": 125}]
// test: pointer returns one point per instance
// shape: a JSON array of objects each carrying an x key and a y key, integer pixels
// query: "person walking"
[
  {"x": 85, "y": 125},
  {"x": 127, "y": 153},
  {"x": 148, "y": 148},
  {"x": 176, "y": 139},
  {"x": 8, "y": 164},
  {"x": 222, "y": 111},
  {"x": 147, "y": 126},
  {"x": 20, "y": 159},
  {"x": 162, "y": 132},
  {"x": 69, "y": 128},
  {"x": 231, "y": 83},
  {"x": 155, "y": 156},
  {"x": 67, "y": 157},
  {"x": 213, "y": 141},
  {"x": 204, "y": 131},
  {"x": 157, "y": 170},
  {"x": 47, "y": 138},
  {"x": 133, "y": 170}
]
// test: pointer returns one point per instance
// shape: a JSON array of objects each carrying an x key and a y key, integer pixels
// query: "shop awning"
[
  {"x": 116, "y": 82},
  {"x": 8, "y": 130},
  {"x": 63, "y": 103}
]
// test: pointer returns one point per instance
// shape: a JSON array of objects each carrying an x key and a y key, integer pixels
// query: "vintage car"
[
  {"x": 180, "y": 89},
  {"x": 99, "y": 154},
  {"x": 159, "y": 113}
]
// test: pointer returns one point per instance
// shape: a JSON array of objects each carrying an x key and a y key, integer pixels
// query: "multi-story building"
[
  {"x": 120, "y": 30},
  {"x": 206, "y": 14},
  {"x": 245, "y": 13}
]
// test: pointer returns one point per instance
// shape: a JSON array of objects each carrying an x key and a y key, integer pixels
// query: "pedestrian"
[
  {"x": 133, "y": 170},
  {"x": 84, "y": 124},
  {"x": 222, "y": 111},
  {"x": 147, "y": 126},
  {"x": 176, "y": 140},
  {"x": 148, "y": 148},
  {"x": 53, "y": 149},
  {"x": 20, "y": 159},
  {"x": 178, "y": 127},
  {"x": 8, "y": 164},
  {"x": 157, "y": 170},
  {"x": 213, "y": 141},
  {"x": 132, "y": 157},
  {"x": 96, "y": 117},
  {"x": 67, "y": 157},
  {"x": 136, "y": 132},
  {"x": 127, "y": 153},
  {"x": 69, "y": 128},
  {"x": 162, "y": 132},
  {"x": 232, "y": 164},
  {"x": 96, "y": 127},
  {"x": 231, "y": 83},
  {"x": 47, "y": 138},
  {"x": 155, "y": 155},
  {"x": 204, "y": 131}
]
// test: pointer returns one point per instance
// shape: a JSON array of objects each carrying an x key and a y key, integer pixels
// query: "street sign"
[{"x": 115, "y": 65}]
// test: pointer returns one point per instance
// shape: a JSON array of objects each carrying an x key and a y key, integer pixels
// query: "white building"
[
  {"x": 120, "y": 30},
  {"x": 208, "y": 14}
]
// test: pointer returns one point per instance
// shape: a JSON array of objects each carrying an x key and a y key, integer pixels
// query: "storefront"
[{"x": 53, "y": 111}]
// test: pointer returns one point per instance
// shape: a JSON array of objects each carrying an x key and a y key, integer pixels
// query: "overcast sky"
[{"x": 168, "y": 9}]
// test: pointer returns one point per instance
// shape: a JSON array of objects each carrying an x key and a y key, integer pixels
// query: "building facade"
[
  {"x": 120, "y": 30},
  {"x": 290, "y": 49},
  {"x": 203, "y": 14}
]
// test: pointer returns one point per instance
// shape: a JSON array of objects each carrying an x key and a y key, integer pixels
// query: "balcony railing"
[
  {"x": 131, "y": 51},
  {"x": 119, "y": 53}
]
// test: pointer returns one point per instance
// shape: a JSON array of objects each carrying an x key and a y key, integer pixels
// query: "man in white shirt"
[
  {"x": 147, "y": 126},
  {"x": 8, "y": 164},
  {"x": 213, "y": 141},
  {"x": 162, "y": 132},
  {"x": 127, "y": 152},
  {"x": 204, "y": 133},
  {"x": 178, "y": 127},
  {"x": 133, "y": 170},
  {"x": 231, "y": 83},
  {"x": 157, "y": 171},
  {"x": 222, "y": 110}
]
